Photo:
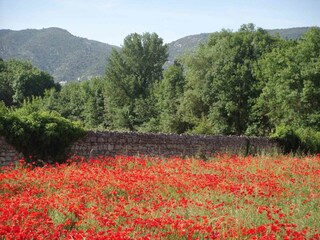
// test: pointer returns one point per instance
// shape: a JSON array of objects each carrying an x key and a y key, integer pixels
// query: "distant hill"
[
  {"x": 67, "y": 57},
  {"x": 289, "y": 33},
  {"x": 64, "y": 56},
  {"x": 189, "y": 43},
  {"x": 185, "y": 44}
]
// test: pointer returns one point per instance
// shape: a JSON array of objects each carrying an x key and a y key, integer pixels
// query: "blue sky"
[{"x": 110, "y": 21}]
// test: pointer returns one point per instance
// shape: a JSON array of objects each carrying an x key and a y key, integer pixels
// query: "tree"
[
  {"x": 20, "y": 80},
  {"x": 94, "y": 107},
  {"x": 309, "y": 55},
  {"x": 82, "y": 102},
  {"x": 291, "y": 72},
  {"x": 221, "y": 85},
  {"x": 6, "y": 90},
  {"x": 130, "y": 76},
  {"x": 169, "y": 93},
  {"x": 69, "y": 102},
  {"x": 276, "y": 70}
]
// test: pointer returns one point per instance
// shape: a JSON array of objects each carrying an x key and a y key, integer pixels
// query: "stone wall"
[
  {"x": 8, "y": 154},
  {"x": 114, "y": 143}
]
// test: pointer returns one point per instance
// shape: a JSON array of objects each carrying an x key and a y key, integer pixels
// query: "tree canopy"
[
  {"x": 20, "y": 80},
  {"x": 130, "y": 76},
  {"x": 220, "y": 80},
  {"x": 291, "y": 73}
]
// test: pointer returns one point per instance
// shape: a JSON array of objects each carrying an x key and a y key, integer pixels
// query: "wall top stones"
[
  {"x": 152, "y": 144},
  {"x": 132, "y": 143}
]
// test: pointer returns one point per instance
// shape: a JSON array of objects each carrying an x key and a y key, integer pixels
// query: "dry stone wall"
[
  {"x": 8, "y": 154},
  {"x": 114, "y": 143}
]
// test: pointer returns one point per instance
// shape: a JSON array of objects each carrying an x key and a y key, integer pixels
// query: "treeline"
[{"x": 238, "y": 83}]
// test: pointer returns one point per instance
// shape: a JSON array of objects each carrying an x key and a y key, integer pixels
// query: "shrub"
[
  {"x": 297, "y": 140},
  {"x": 42, "y": 135},
  {"x": 310, "y": 139}
]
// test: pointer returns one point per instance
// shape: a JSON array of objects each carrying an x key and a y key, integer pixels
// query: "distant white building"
[{"x": 62, "y": 83}]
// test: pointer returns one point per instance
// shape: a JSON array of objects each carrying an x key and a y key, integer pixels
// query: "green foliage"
[
  {"x": 204, "y": 126},
  {"x": 190, "y": 43},
  {"x": 130, "y": 77},
  {"x": 3, "y": 112},
  {"x": 82, "y": 102},
  {"x": 310, "y": 140},
  {"x": 71, "y": 102},
  {"x": 291, "y": 90},
  {"x": 42, "y": 135},
  {"x": 287, "y": 138},
  {"x": 297, "y": 140},
  {"x": 94, "y": 107},
  {"x": 168, "y": 94},
  {"x": 20, "y": 80},
  {"x": 220, "y": 82}
]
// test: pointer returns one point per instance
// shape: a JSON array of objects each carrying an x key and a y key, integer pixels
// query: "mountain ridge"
[
  {"x": 70, "y": 58},
  {"x": 57, "y": 51}
]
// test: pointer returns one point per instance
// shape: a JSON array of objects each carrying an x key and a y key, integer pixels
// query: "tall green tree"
[
  {"x": 130, "y": 76},
  {"x": 309, "y": 51},
  {"x": 291, "y": 93},
  {"x": 221, "y": 84}
]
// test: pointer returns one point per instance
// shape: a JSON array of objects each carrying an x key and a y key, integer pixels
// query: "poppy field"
[{"x": 122, "y": 197}]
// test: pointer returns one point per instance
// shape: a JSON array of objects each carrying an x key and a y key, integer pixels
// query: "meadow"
[{"x": 122, "y": 197}]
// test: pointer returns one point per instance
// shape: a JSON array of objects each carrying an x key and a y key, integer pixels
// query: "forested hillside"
[
  {"x": 246, "y": 82},
  {"x": 56, "y": 51},
  {"x": 67, "y": 57},
  {"x": 289, "y": 33}
]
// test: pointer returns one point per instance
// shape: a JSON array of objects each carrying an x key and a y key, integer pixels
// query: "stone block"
[
  {"x": 110, "y": 147},
  {"x": 92, "y": 140}
]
